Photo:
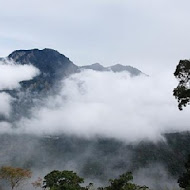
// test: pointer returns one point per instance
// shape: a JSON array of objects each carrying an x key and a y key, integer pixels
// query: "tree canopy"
[
  {"x": 59, "y": 180},
  {"x": 182, "y": 91},
  {"x": 124, "y": 182}
]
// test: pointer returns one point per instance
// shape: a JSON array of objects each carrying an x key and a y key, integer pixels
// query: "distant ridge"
[
  {"x": 115, "y": 68},
  {"x": 95, "y": 66}
]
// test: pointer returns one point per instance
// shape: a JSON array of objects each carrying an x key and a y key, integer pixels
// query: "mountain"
[
  {"x": 53, "y": 67},
  {"x": 51, "y": 63},
  {"x": 115, "y": 68},
  {"x": 95, "y": 67},
  {"x": 48, "y": 61},
  {"x": 120, "y": 68}
]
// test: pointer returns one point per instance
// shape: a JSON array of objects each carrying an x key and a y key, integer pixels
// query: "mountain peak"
[
  {"x": 120, "y": 68},
  {"x": 118, "y": 65},
  {"x": 115, "y": 68},
  {"x": 47, "y": 60},
  {"x": 51, "y": 62},
  {"x": 95, "y": 66},
  {"x": 19, "y": 54}
]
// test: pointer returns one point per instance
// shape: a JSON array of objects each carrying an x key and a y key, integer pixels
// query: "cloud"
[
  {"x": 5, "y": 102},
  {"x": 5, "y": 127},
  {"x": 155, "y": 176},
  {"x": 11, "y": 75},
  {"x": 114, "y": 105}
]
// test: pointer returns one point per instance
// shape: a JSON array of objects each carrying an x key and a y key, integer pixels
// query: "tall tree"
[
  {"x": 14, "y": 176},
  {"x": 182, "y": 91}
]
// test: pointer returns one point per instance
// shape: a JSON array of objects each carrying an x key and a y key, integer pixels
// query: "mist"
[
  {"x": 93, "y": 113},
  {"x": 5, "y": 104},
  {"x": 94, "y": 104},
  {"x": 11, "y": 75},
  {"x": 156, "y": 176}
]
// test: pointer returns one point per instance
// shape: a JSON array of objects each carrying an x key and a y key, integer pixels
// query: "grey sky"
[{"x": 150, "y": 35}]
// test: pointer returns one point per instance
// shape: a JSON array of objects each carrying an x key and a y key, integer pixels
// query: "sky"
[{"x": 150, "y": 35}]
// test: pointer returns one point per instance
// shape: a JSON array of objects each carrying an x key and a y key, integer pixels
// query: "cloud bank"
[{"x": 112, "y": 105}]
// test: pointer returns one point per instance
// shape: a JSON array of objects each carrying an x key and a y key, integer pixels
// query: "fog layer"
[
  {"x": 113, "y": 105},
  {"x": 11, "y": 75}
]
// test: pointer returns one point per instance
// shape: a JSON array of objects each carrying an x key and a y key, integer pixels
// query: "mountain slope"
[
  {"x": 95, "y": 67},
  {"x": 47, "y": 61},
  {"x": 120, "y": 68},
  {"x": 53, "y": 67}
]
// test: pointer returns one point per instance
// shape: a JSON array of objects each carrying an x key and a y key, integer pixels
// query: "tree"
[
  {"x": 182, "y": 91},
  {"x": 123, "y": 183},
  {"x": 63, "y": 180},
  {"x": 184, "y": 180},
  {"x": 14, "y": 176}
]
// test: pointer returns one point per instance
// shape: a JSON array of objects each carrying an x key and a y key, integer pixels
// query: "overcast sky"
[{"x": 151, "y": 35}]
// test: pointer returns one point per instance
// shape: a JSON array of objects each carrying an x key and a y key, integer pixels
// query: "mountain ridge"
[
  {"x": 46, "y": 60},
  {"x": 54, "y": 67},
  {"x": 54, "y": 63},
  {"x": 114, "y": 68}
]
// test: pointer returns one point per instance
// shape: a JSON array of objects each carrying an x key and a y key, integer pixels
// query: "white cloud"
[
  {"x": 111, "y": 105},
  {"x": 11, "y": 75},
  {"x": 5, "y": 104}
]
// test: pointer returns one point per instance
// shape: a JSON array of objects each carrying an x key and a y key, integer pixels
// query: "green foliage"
[
  {"x": 123, "y": 183},
  {"x": 182, "y": 91},
  {"x": 68, "y": 180},
  {"x": 63, "y": 180}
]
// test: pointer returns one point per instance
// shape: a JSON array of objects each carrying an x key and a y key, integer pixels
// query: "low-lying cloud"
[
  {"x": 11, "y": 75},
  {"x": 5, "y": 108},
  {"x": 112, "y": 105}
]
